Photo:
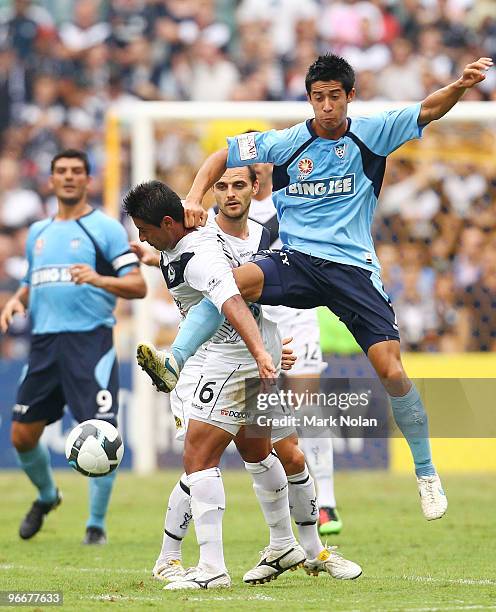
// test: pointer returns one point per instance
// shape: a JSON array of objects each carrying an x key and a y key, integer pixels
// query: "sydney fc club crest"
[
  {"x": 340, "y": 150},
  {"x": 305, "y": 167},
  {"x": 38, "y": 246}
]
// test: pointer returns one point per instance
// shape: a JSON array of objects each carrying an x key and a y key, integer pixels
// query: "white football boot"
[
  {"x": 198, "y": 578},
  {"x": 160, "y": 366},
  {"x": 433, "y": 499},
  {"x": 168, "y": 570},
  {"x": 274, "y": 562},
  {"x": 334, "y": 564}
]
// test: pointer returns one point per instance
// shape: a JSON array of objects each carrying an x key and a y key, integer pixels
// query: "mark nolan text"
[{"x": 342, "y": 420}]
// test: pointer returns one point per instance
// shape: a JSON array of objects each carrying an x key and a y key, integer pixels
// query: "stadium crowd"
[{"x": 62, "y": 64}]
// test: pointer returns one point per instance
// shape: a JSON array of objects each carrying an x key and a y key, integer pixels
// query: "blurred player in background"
[
  {"x": 79, "y": 262},
  {"x": 304, "y": 376},
  {"x": 327, "y": 176}
]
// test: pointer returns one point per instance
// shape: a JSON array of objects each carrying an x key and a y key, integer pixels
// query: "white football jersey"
[{"x": 201, "y": 265}]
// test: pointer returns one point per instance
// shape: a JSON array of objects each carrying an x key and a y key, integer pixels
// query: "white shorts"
[
  {"x": 304, "y": 328},
  {"x": 214, "y": 391}
]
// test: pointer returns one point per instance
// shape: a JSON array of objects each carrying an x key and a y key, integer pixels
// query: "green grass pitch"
[{"x": 409, "y": 564}]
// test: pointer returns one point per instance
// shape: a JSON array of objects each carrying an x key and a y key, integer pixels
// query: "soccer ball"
[{"x": 94, "y": 448}]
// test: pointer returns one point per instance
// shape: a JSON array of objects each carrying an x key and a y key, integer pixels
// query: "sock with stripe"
[
  {"x": 177, "y": 520},
  {"x": 208, "y": 502},
  {"x": 303, "y": 504},
  {"x": 271, "y": 488},
  {"x": 320, "y": 460}
]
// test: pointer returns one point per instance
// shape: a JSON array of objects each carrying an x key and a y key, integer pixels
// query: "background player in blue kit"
[
  {"x": 327, "y": 177},
  {"x": 79, "y": 262}
]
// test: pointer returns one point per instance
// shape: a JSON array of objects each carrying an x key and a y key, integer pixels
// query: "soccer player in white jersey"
[
  {"x": 304, "y": 376},
  {"x": 209, "y": 381},
  {"x": 328, "y": 172},
  {"x": 197, "y": 263}
]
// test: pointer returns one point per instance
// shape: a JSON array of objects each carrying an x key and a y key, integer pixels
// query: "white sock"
[
  {"x": 271, "y": 488},
  {"x": 177, "y": 519},
  {"x": 303, "y": 504},
  {"x": 208, "y": 502},
  {"x": 319, "y": 455}
]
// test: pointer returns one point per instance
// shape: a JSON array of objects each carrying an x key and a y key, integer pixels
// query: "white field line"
[
  {"x": 468, "y": 581},
  {"x": 470, "y": 607},
  {"x": 93, "y": 570},
  {"x": 115, "y": 597},
  {"x": 260, "y": 597}
]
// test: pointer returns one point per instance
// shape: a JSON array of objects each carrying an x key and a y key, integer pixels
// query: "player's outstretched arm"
[
  {"x": 437, "y": 104},
  {"x": 210, "y": 172},
  {"x": 16, "y": 305},
  {"x": 129, "y": 286}
]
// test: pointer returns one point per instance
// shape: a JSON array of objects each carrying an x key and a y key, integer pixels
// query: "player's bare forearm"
[
  {"x": 239, "y": 315},
  {"x": 131, "y": 286},
  {"x": 210, "y": 172},
  {"x": 22, "y": 294},
  {"x": 437, "y": 104}
]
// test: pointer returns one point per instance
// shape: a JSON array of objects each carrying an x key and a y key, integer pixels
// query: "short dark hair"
[
  {"x": 252, "y": 173},
  {"x": 72, "y": 154},
  {"x": 152, "y": 201},
  {"x": 330, "y": 67}
]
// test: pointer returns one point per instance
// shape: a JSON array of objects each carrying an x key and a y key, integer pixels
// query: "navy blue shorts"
[
  {"x": 79, "y": 369},
  {"x": 353, "y": 294}
]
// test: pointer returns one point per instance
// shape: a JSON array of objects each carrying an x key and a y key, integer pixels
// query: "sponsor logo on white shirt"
[{"x": 247, "y": 147}]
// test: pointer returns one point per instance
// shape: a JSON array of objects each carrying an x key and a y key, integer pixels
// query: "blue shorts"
[
  {"x": 353, "y": 294},
  {"x": 79, "y": 369}
]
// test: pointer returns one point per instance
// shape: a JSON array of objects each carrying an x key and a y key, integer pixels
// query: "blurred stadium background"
[{"x": 68, "y": 68}]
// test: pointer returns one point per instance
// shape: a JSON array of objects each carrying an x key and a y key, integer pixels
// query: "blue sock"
[
  {"x": 36, "y": 464},
  {"x": 411, "y": 418},
  {"x": 100, "y": 490},
  {"x": 200, "y": 324}
]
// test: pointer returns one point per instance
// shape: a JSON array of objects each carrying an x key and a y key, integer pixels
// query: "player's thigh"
[
  {"x": 90, "y": 375},
  {"x": 250, "y": 280},
  {"x": 359, "y": 300},
  {"x": 40, "y": 396},
  {"x": 288, "y": 279},
  {"x": 221, "y": 393}
]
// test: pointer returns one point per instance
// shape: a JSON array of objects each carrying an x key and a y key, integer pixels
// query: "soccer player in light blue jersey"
[
  {"x": 79, "y": 263},
  {"x": 327, "y": 177}
]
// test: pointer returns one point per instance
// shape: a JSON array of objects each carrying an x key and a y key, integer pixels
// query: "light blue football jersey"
[
  {"x": 325, "y": 191},
  {"x": 56, "y": 303}
]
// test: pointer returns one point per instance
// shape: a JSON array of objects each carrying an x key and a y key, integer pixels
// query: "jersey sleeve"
[
  {"x": 26, "y": 280},
  {"x": 385, "y": 132},
  {"x": 274, "y": 146},
  {"x": 117, "y": 250},
  {"x": 215, "y": 279}
]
